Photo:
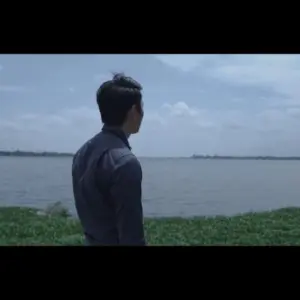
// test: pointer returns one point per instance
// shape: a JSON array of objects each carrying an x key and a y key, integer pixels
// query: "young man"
[{"x": 107, "y": 177}]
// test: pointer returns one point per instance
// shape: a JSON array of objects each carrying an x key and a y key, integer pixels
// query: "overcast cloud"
[{"x": 210, "y": 104}]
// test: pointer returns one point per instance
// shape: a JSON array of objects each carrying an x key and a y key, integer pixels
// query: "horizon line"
[{"x": 194, "y": 156}]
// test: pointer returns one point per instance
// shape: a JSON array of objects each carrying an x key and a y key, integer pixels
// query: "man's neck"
[
  {"x": 120, "y": 131},
  {"x": 117, "y": 129}
]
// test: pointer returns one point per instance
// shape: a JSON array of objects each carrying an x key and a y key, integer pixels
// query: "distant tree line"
[
  {"x": 195, "y": 156},
  {"x": 34, "y": 154}
]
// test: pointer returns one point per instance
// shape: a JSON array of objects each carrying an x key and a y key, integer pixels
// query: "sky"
[{"x": 203, "y": 104}]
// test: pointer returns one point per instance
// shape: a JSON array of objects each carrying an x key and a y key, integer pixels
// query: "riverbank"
[{"x": 26, "y": 226}]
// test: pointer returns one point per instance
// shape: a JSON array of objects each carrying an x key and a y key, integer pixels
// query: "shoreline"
[
  {"x": 19, "y": 153},
  {"x": 55, "y": 226},
  {"x": 34, "y": 154}
]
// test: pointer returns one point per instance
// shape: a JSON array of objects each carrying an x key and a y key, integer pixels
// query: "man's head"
[{"x": 120, "y": 103}]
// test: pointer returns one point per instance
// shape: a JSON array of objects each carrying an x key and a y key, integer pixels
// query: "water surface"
[{"x": 171, "y": 187}]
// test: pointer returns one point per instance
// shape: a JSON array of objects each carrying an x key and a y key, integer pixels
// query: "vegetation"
[
  {"x": 195, "y": 156},
  {"x": 19, "y": 153},
  {"x": 54, "y": 226}
]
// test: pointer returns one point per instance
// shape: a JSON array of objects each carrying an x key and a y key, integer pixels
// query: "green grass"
[{"x": 23, "y": 226}]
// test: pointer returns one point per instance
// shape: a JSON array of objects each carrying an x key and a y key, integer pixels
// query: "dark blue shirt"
[{"x": 107, "y": 186}]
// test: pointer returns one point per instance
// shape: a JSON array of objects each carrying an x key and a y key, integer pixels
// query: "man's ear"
[{"x": 134, "y": 108}]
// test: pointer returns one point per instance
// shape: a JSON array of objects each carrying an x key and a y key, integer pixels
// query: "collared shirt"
[{"x": 107, "y": 187}]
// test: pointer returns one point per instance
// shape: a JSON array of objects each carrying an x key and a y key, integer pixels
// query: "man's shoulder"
[
  {"x": 123, "y": 157},
  {"x": 107, "y": 154}
]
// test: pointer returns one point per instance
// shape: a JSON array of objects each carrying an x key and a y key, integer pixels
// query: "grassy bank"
[{"x": 24, "y": 226}]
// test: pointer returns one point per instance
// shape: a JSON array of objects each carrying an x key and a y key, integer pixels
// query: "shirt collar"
[{"x": 117, "y": 132}]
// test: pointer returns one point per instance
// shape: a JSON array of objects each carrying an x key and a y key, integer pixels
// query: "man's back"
[{"x": 107, "y": 190}]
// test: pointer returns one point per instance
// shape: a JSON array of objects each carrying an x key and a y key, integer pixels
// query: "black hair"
[{"x": 116, "y": 97}]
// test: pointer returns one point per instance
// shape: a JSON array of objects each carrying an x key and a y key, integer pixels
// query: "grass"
[{"x": 28, "y": 226}]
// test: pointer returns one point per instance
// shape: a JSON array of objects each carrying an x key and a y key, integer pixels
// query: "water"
[{"x": 171, "y": 187}]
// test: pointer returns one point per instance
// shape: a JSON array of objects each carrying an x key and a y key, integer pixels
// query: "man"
[{"x": 107, "y": 177}]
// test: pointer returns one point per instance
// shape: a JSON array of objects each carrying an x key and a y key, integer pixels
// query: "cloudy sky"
[{"x": 208, "y": 104}]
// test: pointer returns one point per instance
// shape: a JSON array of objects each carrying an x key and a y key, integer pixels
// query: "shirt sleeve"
[{"x": 126, "y": 192}]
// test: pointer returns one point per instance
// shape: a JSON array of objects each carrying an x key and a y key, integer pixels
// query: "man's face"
[{"x": 136, "y": 115}]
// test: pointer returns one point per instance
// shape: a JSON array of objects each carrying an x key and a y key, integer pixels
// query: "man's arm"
[{"x": 126, "y": 192}]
